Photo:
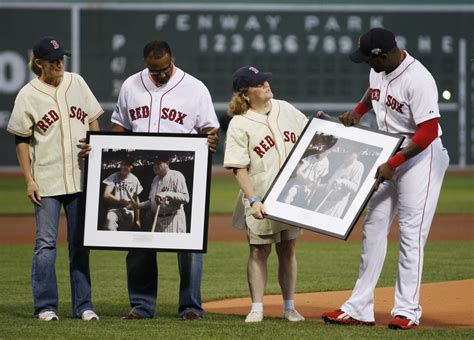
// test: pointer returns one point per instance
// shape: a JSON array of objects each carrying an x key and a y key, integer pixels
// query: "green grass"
[
  {"x": 456, "y": 195},
  {"x": 224, "y": 276}
]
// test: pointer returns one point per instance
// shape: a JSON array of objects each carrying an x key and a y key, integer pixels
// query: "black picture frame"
[
  {"x": 328, "y": 178},
  {"x": 180, "y": 224}
]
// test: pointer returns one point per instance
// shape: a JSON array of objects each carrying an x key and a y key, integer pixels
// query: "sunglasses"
[{"x": 167, "y": 70}]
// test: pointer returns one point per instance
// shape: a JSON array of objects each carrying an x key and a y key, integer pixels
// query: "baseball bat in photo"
[{"x": 156, "y": 218}]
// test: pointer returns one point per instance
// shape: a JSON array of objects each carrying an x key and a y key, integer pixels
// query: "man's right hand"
[{"x": 349, "y": 118}]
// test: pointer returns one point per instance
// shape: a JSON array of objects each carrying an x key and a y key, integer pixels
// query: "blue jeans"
[
  {"x": 43, "y": 274},
  {"x": 142, "y": 278}
]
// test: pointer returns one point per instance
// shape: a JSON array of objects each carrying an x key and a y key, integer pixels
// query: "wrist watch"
[{"x": 254, "y": 199}]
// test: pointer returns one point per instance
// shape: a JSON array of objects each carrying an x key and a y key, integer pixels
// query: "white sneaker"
[
  {"x": 254, "y": 316},
  {"x": 293, "y": 315},
  {"x": 89, "y": 315},
  {"x": 48, "y": 315}
]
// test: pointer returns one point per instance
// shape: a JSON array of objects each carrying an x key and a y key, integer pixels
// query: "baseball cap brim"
[
  {"x": 259, "y": 78},
  {"x": 56, "y": 54},
  {"x": 358, "y": 57}
]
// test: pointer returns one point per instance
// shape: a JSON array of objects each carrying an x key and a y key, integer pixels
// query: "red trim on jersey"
[
  {"x": 421, "y": 223},
  {"x": 427, "y": 133},
  {"x": 386, "y": 93},
  {"x": 151, "y": 100},
  {"x": 164, "y": 94}
]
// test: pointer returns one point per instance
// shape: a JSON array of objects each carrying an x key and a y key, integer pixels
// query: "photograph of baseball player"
[
  {"x": 154, "y": 198},
  {"x": 329, "y": 178},
  {"x": 122, "y": 189},
  {"x": 260, "y": 136},
  {"x": 305, "y": 180},
  {"x": 164, "y": 98},
  {"x": 49, "y": 119},
  {"x": 166, "y": 199},
  {"x": 350, "y": 163},
  {"x": 404, "y": 96}
]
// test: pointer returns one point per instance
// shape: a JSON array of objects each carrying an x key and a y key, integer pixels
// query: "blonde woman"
[
  {"x": 52, "y": 113},
  {"x": 260, "y": 136}
]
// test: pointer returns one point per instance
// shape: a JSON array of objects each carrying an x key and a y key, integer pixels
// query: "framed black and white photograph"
[
  {"x": 148, "y": 191},
  {"x": 328, "y": 178}
]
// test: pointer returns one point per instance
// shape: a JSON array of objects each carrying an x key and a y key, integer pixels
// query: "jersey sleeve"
[
  {"x": 207, "y": 117},
  {"x": 296, "y": 115},
  {"x": 93, "y": 107},
  {"x": 300, "y": 117},
  {"x": 120, "y": 115},
  {"x": 109, "y": 180},
  {"x": 422, "y": 95},
  {"x": 181, "y": 194},
  {"x": 138, "y": 188},
  {"x": 21, "y": 122},
  {"x": 236, "y": 147}
]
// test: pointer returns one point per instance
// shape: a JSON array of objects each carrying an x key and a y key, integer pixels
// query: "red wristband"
[
  {"x": 361, "y": 109},
  {"x": 397, "y": 160}
]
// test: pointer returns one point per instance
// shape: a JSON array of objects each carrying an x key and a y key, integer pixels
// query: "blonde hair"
[
  {"x": 33, "y": 67},
  {"x": 238, "y": 104}
]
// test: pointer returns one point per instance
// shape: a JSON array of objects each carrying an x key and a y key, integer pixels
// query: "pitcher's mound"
[{"x": 445, "y": 304}]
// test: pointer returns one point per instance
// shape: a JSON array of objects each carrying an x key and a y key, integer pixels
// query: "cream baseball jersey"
[
  {"x": 183, "y": 105},
  {"x": 172, "y": 187},
  {"x": 262, "y": 143},
  {"x": 124, "y": 188},
  {"x": 55, "y": 118},
  {"x": 404, "y": 98},
  {"x": 313, "y": 168}
]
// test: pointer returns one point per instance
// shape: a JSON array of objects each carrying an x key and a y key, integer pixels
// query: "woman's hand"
[
  {"x": 85, "y": 148},
  {"x": 32, "y": 191},
  {"x": 258, "y": 210}
]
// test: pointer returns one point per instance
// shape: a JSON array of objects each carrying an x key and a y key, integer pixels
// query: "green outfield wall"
[{"x": 304, "y": 43}]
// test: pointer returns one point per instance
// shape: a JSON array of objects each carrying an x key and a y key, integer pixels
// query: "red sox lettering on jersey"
[
  {"x": 267, "y": 142},
  {"x": 375, "y": 94},
  {"x": 173, "y": 115},
  {"x": 139, "y": 112},
  {"x": 52, "y": 116},
  {"x": 183, "y": 105},
  {"x": 60, "y": 114},
  {"x": 391, "y": 102},
  {"x": 47, "y": 120},
  {"x": 394, "y": 104}
]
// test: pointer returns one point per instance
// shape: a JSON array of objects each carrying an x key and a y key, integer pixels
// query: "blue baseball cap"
[
  {"x": 49, "y": 48},
  {"x": 373, "y": 43},
  {"x": 248, "y": 76}
]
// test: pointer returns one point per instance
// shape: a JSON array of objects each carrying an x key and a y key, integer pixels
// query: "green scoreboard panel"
[
  {"x": 20, "y": 28},
  {"x": 306, "y": 48}
]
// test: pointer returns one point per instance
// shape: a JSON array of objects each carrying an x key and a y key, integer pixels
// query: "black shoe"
[
  {"x": 132, "y": 316},
  {"x": 190, "y": 315}
]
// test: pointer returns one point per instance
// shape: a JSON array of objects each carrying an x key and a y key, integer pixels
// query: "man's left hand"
[{"x": 384, "y": 172}]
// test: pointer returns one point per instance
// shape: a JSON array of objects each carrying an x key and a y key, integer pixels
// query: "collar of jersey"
[
  {"x": 152, "y": 87},
  {"x": 404, "y": 64},
  {"x": 258, "y": 116},
  {"x": 48, "y": 89}
]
